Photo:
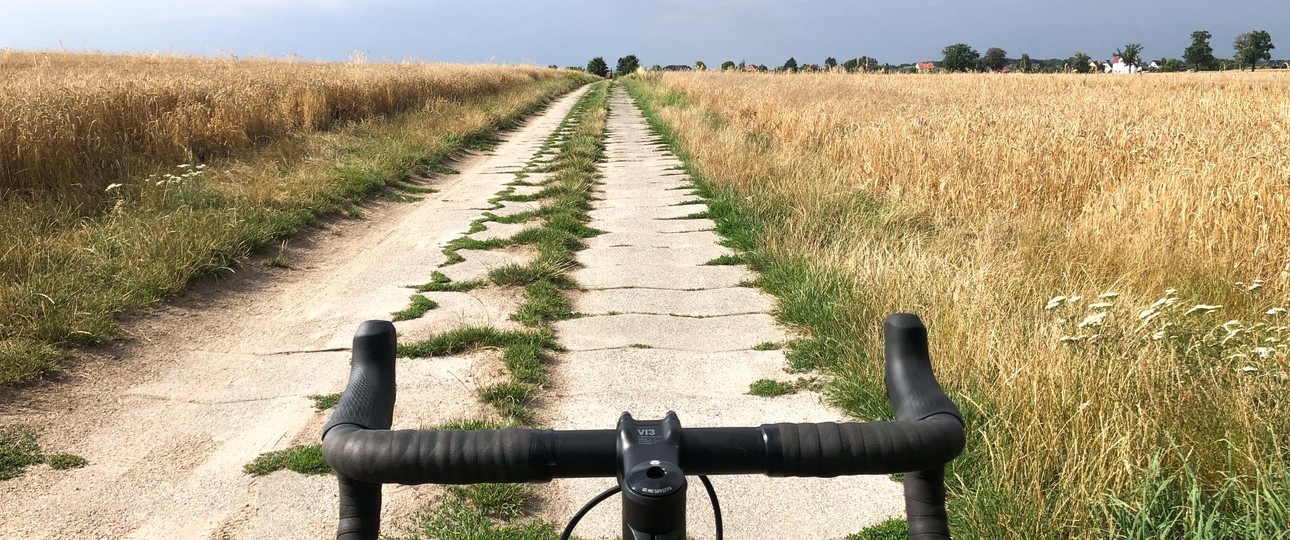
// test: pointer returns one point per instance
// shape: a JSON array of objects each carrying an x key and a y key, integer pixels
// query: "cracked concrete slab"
[
  {"x": 479, "y": 263},
  {"x": 658, "y": 277},
  {"x": 649, "y": 256},
  {"x": 703, "y": 303},
  {"x": 485, "y": 306},
  {"x": 654, "y": 225},
  {"x": 651, "y": 239},
  {"x": 733, "y": 333},
  {"x": 647, "y": 212},
  {"x": 502, "y": 231},
  {"x": 511, "y": 208}
]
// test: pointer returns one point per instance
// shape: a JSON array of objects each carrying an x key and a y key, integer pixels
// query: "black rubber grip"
[
  {"x": 826, "y": 450},
  {"x": 435, "y": 457},
  {"x": 368, "y": 400},
  {"x": 911, "y": 387}
]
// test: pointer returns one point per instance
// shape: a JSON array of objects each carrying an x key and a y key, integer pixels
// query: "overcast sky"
[{"x": 570, "y": 32}]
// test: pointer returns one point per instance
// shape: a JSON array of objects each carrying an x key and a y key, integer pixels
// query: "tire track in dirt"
[
  {"x": 168, "y": 418},
  {"x": 664, "y": 331}
]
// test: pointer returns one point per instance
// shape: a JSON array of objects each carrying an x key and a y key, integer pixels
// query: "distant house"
[
  {"x": 677, "y": 68},
  {"x": 750, "y": 68},
  {"x": 1117, "y": 65},
  {"x": 926, "y": 67}
]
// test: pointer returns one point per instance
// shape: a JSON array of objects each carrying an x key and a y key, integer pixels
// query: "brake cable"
[{"x": 707, "y": 485}]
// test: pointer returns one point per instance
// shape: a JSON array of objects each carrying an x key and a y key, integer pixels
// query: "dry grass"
[
  {"x": 975, "y": 199},
  {"x": 125, "y": 177}
]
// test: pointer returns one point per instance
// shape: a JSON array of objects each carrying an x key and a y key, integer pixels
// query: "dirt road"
[{"x": 168, "y": 418}]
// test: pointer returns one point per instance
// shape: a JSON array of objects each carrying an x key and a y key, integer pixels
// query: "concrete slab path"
[{"x": 665, "y": 332}]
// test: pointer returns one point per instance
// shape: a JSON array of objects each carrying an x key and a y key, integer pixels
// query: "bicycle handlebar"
[{"x": 927, "y": 434}]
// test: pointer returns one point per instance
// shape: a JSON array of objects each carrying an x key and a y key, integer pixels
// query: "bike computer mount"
[{"x": 652, "y": 482}]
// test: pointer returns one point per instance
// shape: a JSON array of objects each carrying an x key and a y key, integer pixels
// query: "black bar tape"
[
  {"x": 435, "y": 457},
  {"x": 911, "y": 387},
  {"x": 828, "y": 449},
  {"x": 925, "y": 505},
  {"x": 360, "y": 510},
  {"x": 368, "y": 400}
]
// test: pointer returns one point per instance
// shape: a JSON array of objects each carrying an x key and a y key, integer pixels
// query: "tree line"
[{"x": 1251, "y": 48}]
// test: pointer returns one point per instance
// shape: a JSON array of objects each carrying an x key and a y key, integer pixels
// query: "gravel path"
[
  {"x": 666, "y": 332},
  {"x": 206, "y": 383}
]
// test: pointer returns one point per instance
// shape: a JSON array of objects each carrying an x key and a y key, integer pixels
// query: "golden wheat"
[
  {"x": 72, "y": 121},
  {"x": 996, "y": 194}
]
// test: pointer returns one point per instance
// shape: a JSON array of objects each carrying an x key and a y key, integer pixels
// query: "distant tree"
[
  {"x": 960, "y": 57},
  {"x": 995, "y": 59},
  {"x": 700, "y": 66},
  {"x": 597, "y": 66},
  {"x": 1024, "y": 63},
  {"x": 627, "y": 65},
  {"x": 1080, "y": 63},
  {"x": 762, "y": 68},
  {"x": 1252, "y": 47},
  {"x": 1172, "y": 64},
  {"x": 830, "y": 62},
  {"x": 851, "y": 65},
  {"x": 1199, "y": 55},
  {"x": 742, "y": 65},
  {"x": 1131, "y": 54},
  {"x": 728, "y": 65},
  {"x": 790, "y": 64},
  {"x": 656, "y": 67}
]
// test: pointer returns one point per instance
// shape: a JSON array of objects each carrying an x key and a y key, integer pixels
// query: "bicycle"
[{"x": 649, "y": 458}]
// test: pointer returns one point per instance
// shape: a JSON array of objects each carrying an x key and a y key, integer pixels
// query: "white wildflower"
[
  {"x": 114, "y": 186},
  {"x": 184, "y": 165},
  {"x": 1149, "y": 313},
  {"x": 1074, "y": 299},
  {"x": 1171, "y": 292},
  {"x": 1264, "y": 352},
  {"x": 1093, "y": 320},
  {"x": 1107, "y": 295},
  {"x": 1202, "y": 308},
  {"x": 1274, "y": 311},
  {"x": 1054, "y": 302},
  {"x": 1249, "y": 369}
]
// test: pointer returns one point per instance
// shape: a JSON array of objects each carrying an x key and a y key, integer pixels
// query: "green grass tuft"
[
  {"x": 420, "y": 305},
  {"x": 326, "y": 401},
  {"x": 18, "y": 450},
  {"x": 892, "y": 529},
  {"x": 441, "y": 283},
  {"x": 469, "y": 424},
  {"x": 770, "y": 388},
  {"x": 469, "y": 338},
  {"x": 301, "y": 459},
  {"x": 65, "y": 461},
  {"x": 768, "y": 346},
  {"x": 726, "y": 260}
]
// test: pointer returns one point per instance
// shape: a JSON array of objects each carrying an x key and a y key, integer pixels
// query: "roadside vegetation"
[
  {"x": 122, "y": 178},
  {"x": 19, "y": 450},
  {"x": 1106, "y": 291}
]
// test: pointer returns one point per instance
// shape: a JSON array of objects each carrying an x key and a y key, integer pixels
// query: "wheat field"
[
  {"x": 84, "y": 121},
  {"x": 125, "y": 177},
  {"x": 1103, "y": 263}
]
